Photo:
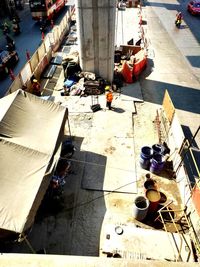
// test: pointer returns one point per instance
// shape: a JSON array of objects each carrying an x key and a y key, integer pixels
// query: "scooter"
[
  {"x": 10, "y": 47},
  {"x": 178, "y": 20},
  {"x": 43, "y": 28},
  {"x": 6, "y": 29},
  {"x": 16, "y": 19},
  {"x": 43, "y": 25},
  {"x": 10, "y": 42},
  {"x": 178, "y": 23},
  {"x": 16, "y": 29}
]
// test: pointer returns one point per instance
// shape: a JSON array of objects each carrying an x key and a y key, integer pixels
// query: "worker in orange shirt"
[{"x": 109, "y": 98}]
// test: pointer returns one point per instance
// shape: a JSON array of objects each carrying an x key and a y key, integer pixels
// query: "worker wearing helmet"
[{"x": 109, "y": 98}]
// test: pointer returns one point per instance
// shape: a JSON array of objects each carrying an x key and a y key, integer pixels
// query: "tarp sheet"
[{"x": 31, "y": 133}]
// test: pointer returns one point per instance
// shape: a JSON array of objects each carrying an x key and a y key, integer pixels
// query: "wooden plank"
[{"x": 168, "y": 107}]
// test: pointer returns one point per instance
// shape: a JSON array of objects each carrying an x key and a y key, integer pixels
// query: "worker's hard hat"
[
  {"x": 107, "y": 87},
  {"x": 34, "y": 80}
]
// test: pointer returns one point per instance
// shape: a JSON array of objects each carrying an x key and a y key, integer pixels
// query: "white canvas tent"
[{"x": 31, "y": 133}]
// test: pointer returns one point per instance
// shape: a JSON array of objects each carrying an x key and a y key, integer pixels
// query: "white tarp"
[{"x": 31, "y": 132}]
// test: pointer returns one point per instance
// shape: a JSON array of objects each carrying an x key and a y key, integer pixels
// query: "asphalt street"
[
  {"x": 174, "y": 62},
  {"x": 29, "y": 39}
]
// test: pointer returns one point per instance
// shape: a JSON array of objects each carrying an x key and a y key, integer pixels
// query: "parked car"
[
  {"x": 7, "y": 61},
  {"x": 194, "y": 7}
]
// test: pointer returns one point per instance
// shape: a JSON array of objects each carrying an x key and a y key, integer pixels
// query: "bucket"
[
  {"x": 163, "y": 198},
  {"x": 157, "y": 164},
  {"x": 150, "y": 184},
  {"x": 145, "y": 157},
  {"x": 154, "y": 197},
  {"x": 140, "y": 208},
  {"x": 148, "y": 176},
  {"x": 158, "y": 149}
]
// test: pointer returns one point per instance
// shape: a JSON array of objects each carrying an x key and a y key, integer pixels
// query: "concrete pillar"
[{"x": 96, "y": 33}]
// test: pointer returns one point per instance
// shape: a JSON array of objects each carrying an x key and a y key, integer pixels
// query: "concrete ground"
[{"x": 107, "y": 175}]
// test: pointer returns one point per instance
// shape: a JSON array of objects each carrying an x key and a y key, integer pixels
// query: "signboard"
[{"x": 26, "y": 73}]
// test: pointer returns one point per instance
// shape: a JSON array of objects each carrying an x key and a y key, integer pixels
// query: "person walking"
[{"x": 109, "y": 98}]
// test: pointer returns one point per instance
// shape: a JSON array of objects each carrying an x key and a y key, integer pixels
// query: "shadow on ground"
[
  {"x": 71, "y": 224},
  {"x": 183, "y": 97}
]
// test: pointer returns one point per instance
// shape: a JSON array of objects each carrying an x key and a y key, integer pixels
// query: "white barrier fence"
[{"x": 42, "y": 56}]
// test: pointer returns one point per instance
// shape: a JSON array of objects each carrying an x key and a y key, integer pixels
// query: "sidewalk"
[{"x": 169, "y": 68}]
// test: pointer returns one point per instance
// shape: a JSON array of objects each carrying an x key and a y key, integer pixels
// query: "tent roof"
[{"x": 31, "y": 131}]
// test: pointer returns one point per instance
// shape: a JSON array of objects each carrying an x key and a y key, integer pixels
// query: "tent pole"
[
  {"x": 69, "y": 128},
  {"x": 29, "y": 244}
]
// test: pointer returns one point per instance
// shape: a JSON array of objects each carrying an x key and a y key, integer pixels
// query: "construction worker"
[
  {"x": 36, "y": 88},
  {"x": 109, "y": 98}
]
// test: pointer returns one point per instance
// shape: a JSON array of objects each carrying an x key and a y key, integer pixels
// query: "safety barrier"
[
  {"x": 184, "y": 156},
  {"x": 141, "y": 30},
  {"x": 42, "y": 56}
]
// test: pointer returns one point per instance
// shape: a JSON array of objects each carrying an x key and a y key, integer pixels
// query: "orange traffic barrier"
[
  {"x": 139, "y": 67},
  {"x": 27, "y": 55},
  {"x": 140, "y": 21},
  {"x": 127, "y": 73},
  {"x": 12, "y": 76}
]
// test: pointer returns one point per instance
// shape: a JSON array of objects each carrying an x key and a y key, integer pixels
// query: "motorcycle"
[
  {"x": 10, "y": 47},
  {"x": 10, "y": 43},
  {"x": 6, "y": 29},
  {"x": 178, "y": 20},
  {"x": 16, "y": 18},
  {"x": 43, "y": 25},
  {"x": 43, "y": 28},
  {"x": 178, "y": 23},
  {"x": 16, "y": 29}
]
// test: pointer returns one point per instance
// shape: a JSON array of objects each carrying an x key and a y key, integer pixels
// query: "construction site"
[{"x": 119, "y": 206}]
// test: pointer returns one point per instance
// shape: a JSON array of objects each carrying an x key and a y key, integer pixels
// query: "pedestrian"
[
  {"x": 28, "y": 56},
  {"x": 42, "y": 38},
  {"x": 36, "y": 88},
  {"x": 6, "y": 28},
  {"x": 12, "y": 75},
  {"x": 52, "y": 24},
  {"x": 66, "y": 91},
  {"x": 109, "y": 98}
]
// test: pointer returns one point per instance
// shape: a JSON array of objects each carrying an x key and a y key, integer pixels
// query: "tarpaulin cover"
[{"x": 31, "y": 133}]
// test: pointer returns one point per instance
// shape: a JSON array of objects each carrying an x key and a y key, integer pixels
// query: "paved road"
[
  {"x": 30, "y": 38},
  {"x": 174, "y": 63}
]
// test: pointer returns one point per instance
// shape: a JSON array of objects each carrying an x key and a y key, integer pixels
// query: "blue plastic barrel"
[
  {"x": 145, "y": 157},
  {"x": 158, "y": 149},
  {"x": 157, "y": 164}
]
